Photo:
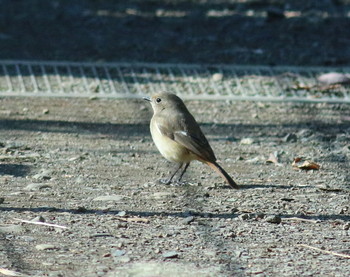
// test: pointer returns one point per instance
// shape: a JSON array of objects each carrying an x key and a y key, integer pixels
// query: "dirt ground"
[{"x": 91, "y": 166}]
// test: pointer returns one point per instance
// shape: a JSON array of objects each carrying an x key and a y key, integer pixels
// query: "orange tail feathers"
[{"x": 223, "y": 174}]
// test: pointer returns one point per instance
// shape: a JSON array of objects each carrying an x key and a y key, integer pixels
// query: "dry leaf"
[
  {"x": 306, "y": 165},
  {"x": 272, "y": 159}
]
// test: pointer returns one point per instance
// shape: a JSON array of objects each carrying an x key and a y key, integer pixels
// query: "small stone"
[
  {"x": 36, "y": 186},
  {"x": 46, "y": 111},
  {"x": 41, "y": 247},
  {"x": 121, "y": 213},
  {"x": 118, "y": 253},
  {"x": 334, "y": 78},
  {"x": 346, "y": 226},
  {"x": 273, "y": 219},
  {"x": 38, "y": 219},
  {"x": 170, "y": 255},
  {"x": 247, "y": 141},
  {"x": 81, "y": 209},
  {"x": 290, "y": 138},
  {"x": 244, "y": 216},
  {"x": 188, "y": 220},
  {"x": 43, "y": 175},
  {"x": 2, "y": 200},
  {"x": 216, "y": 77}
]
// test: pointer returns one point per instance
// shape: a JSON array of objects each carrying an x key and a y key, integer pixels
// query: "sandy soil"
[{"x": 91, "y": 166}]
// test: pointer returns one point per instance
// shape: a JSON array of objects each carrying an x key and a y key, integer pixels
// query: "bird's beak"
[{"x": 147, "y": 99}]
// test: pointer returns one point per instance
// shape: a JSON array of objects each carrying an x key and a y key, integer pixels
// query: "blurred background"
[{"x": 266, "y": 32}]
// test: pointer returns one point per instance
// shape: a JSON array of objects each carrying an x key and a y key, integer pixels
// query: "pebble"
[
  {"x": 246, "y": 141},
  {"x": 38, "y": 219},
  {"x": 41, "y": 247},
  {"x": 121, "y": 213},
  {"x": 290, "y": 138},
  {"x": 188, "y": 220},
  {"x": 244, "y": 216},
  {"x": 273, "y": 219},
  {"x": 109, "y": 198},
  {"x": 118, "y": 253},
  {"x": 36, "y": 186},
  {"x": 216, "y": 77},
  {"x": 43, "y": 175},
  {"x": 170, "y": 255},
  {"x": 2, "y": 200}
]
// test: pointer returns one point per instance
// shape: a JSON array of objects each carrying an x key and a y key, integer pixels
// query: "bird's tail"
[{"x": 223, "y": 174}]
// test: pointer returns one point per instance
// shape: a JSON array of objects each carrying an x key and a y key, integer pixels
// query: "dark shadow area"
[
  {"x": 327, "y": 131},
  {"x": 16, "y": 170},
  {"x": 177, "y": 31},
  {"x": 167, "y": 213}
]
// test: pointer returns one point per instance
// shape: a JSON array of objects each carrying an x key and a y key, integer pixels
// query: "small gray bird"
[{"x": 178, "y": 136}]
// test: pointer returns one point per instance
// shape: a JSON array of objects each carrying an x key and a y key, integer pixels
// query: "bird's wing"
[{"x": 189, "y": 135}]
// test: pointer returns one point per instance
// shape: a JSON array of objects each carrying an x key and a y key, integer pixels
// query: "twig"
[
  {"x": 41, "y": 223},
  {"x": 326, "y": 251},
  {"x": 301, "y": 219},
  {"x": 133, "y": 219}
]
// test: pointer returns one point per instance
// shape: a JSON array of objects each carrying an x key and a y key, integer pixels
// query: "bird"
[{"x": 178, "y": 136}]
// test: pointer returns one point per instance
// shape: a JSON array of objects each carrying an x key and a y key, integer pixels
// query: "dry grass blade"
[
  {"x": 326, "y": 251},
  {"x": 41, "y": 223},
  {"x": 301, "y": 219},
  {"x": 133, "y": 219}
]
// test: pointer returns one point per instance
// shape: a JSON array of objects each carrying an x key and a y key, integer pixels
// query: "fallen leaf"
[
  {"x": 306, "y": 165},
  {"x": 272, "y": 159}
]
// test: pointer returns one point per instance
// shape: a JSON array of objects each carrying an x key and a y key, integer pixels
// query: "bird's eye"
[{"x": 158, "y": 100}]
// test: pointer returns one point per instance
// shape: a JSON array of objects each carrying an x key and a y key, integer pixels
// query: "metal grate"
[{"x": 133, "y": 80}]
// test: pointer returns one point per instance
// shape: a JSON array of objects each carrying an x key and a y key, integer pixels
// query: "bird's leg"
[
  {"x": 168, "y": 182},
  {"x": 183, "y": 172}
]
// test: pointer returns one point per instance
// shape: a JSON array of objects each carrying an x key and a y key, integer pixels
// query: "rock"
[
  {"x": 38, "y": 219},
  {"x": 290, "y": 138},
  {"x": 216, "y": 77},
  {"x": 42, "y": 247},
  {"x": 36, "y": 186},
  {"x": 244, "y": 217},
  {"x": 246, "y": 141},
  {"x": 2, "y": 200},
  {"x": 118, "y": 253},
  {"x": 273, "y": 219},
  {"x": 45, "y": 174},
  {"x": 121, "y": 213},
  {"x": 334, "y": 78},
  {"x": 170, "y": 255},
  {"x": 115, "y": 198},
  {"x": 188, "y": 220}
]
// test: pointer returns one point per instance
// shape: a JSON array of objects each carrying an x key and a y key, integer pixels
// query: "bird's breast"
[{"x": 169, "y": 148}]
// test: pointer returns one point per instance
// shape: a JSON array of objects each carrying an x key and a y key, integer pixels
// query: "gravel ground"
[{"x": 91, "y": 166}]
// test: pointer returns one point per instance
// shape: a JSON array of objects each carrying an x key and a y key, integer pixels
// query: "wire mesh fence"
[{"x": 133, "y": 80}]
